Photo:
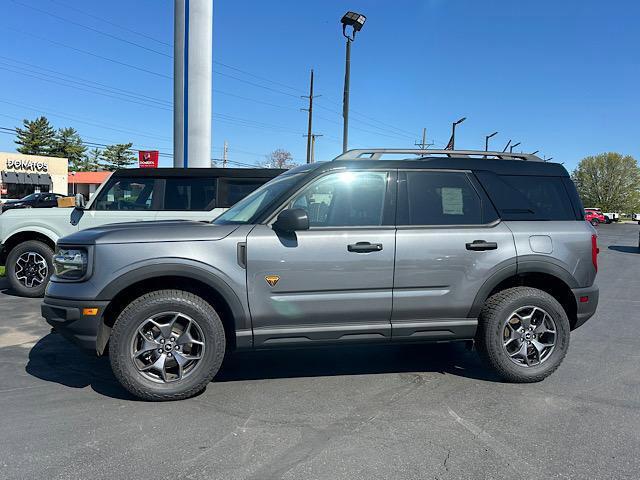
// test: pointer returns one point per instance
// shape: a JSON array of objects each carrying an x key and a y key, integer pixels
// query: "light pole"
[
  {"x": 453, "y": 132},
  {"x": 513, "y": 146},
  {"x": 486, "y": 140},
  {"x": 355, "y": 21}
]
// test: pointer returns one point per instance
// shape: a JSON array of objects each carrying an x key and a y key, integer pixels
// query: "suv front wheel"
[
  {"x": 29, "y": 266},
  {"x": 523, "y": 333},
  {"x": 167, "y": 345}
]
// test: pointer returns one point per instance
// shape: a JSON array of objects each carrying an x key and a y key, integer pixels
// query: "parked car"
[
  {"x": 594, "y": 217},
  {"x": 27, "y": 238},
  {"x": 636, "y": 217},
  {"x": 608, "y": 216},
  {"x": 35, "y": 200},
  {"x": 446, "y": 246}
]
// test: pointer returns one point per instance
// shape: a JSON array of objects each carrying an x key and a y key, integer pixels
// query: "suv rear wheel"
[
  {"x": 595, "y": 222},
  {"x": 29, "y": 266},
  {"x": 167, "y": 345},
  {"x": 523, "y": 333}
]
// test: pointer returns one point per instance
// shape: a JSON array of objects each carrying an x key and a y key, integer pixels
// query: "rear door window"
[
  {"x": 438, "y": 198},
  {"x": 184, "y": 193},
  {"x": 232, "y": 190}
]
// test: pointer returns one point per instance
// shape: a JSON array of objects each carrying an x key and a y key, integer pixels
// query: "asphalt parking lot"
[{"x": 410, "y": 412}]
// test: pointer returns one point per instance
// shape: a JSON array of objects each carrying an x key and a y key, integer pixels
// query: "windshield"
[{"x": 253, "y": 205}]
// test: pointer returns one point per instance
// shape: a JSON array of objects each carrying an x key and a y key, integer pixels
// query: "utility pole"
[
  {"x": 513, "y": 146},
  {"x": 225, "y": 151},
  {"x": 313, "y": 146},
  {"x": 506, "y": 146},
  {"x": 310, "y": 126},
  {"x": 423, "y": 145}
]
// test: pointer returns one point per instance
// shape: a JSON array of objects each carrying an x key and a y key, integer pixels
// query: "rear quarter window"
[{"x": 528, "y": 197}]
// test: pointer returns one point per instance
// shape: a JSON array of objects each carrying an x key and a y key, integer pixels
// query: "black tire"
[
  {"x": 595, "y": 222},
  {"x": 135, "y": 315},
  {"x": 607, "y": 220},
  {"x": 491, "y": 328},
  {"x": 20, "y": 286}
]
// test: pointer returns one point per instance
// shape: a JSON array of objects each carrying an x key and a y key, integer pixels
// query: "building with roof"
[
  {"x": 21, "y": 175},
  {"x": 86, "y": 183}
]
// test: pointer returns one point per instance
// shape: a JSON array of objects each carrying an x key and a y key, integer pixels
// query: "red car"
[{"x": 594, "y": 217}]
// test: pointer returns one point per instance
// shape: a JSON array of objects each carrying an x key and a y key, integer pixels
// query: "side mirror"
[
  {"x": 292, "y": 220},
  {"x": 80, "y": 201}
]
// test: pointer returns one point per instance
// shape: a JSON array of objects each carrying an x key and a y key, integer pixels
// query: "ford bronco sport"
[
  {"x": 28, "y": 237},
  {"x": 441, "y": 246}
]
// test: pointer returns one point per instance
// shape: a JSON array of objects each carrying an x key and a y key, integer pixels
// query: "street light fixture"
[
  {"x": 486, "y": 140},
  {"x": 506, "y": 146},
  {"x": 355, "y": 21},
  {"x": 513, "y": 146},
  {"x": 453, "y": 132}
]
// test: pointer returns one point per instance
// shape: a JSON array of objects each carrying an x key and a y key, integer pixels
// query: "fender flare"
[
  {"x": 50, "y": 234},
  {"x": 530, "y": 265},
  {"x": 240, "y": 316}
]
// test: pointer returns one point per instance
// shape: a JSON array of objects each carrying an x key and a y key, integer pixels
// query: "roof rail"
[{"x": 377, "y": 153}]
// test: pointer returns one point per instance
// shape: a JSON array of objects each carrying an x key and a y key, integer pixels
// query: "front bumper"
[
  {"x": 585, "y": 309},
  {"x": 66, "y": 317}
]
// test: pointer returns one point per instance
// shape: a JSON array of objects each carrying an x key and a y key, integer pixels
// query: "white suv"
[{"x": 28, "y": 236}]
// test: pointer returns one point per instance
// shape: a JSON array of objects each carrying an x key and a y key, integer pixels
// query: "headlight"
[{"x": 70, "y": 263}]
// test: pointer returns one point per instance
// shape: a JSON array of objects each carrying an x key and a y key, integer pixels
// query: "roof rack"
[{"x": 378, "y": 153}]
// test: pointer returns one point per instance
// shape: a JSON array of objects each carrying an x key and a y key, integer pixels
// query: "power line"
[
  {"x": 88, "y": 122},
  {"x": 104, "y": 20},
  {"x": 86, "y": 52},
  {"x": 386, "y": 126},
  {"x": 85, "y": 80},
  {"x": 95, "y": 30}
]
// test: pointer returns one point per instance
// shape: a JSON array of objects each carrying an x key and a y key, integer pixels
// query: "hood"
[{"x": 149, "y": 232}]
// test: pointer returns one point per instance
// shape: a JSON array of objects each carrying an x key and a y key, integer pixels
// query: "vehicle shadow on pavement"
[
  {"x": 452, "y": 359},
  {"x": 624, "y": 248},
  {"x": 55, "y": 359}
]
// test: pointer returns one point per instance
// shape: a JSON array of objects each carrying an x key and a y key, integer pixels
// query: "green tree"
[
  {"x": 36, "y": 138},
  {"x": 68, "y": 144},
  {"x": 118, "y": 156},
  {"x": 610, "y": 181},
  {"x": 91, "y": 161}
]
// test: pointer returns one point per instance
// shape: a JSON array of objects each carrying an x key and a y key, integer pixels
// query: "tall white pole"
[{"x": 192, "y": 69}]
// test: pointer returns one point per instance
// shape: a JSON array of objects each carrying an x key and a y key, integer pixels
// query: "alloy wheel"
[
  {"x": 529, "y": 336},
  {"x": 31, "y": 269},
  {"x": 167, "y": 347}
]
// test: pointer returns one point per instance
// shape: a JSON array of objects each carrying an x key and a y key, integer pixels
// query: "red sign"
[{"x": 148, "y": 158}]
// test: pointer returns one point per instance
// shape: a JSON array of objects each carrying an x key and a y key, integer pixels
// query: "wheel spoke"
[
  {"x": 162, "y": 357},
  {"x": 148, "y": 344},
  {"x": 521, "y": 352},
  {"x": 159, "y": 365},
  {"x": 535, "y": 336}
]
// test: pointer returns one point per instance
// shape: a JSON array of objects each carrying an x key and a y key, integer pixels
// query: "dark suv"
[{"x": 440, "y": 246}]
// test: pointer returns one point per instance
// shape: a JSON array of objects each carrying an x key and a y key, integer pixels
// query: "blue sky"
[{"x": 560, "y": 77}]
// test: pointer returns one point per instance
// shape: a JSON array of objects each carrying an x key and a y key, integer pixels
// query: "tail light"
[{"x": 594, "y": 251}]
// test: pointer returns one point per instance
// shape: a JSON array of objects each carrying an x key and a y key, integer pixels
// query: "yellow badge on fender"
[{"x": 272, "y": 279}]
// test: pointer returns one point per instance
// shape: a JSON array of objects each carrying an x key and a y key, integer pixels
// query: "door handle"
[
  {"x": 479, "y": 245},
  {"x": 364, "y": 247}
]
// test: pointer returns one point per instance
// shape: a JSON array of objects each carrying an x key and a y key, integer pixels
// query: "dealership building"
[{"x": 21, "y": 174}]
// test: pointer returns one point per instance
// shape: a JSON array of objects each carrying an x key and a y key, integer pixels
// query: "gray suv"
[{"x": 430, "y": 246}]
